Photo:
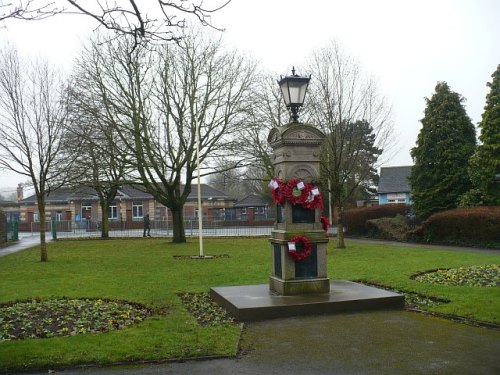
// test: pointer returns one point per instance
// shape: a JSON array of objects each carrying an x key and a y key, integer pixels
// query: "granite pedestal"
[{"x": 257, "y": 302}]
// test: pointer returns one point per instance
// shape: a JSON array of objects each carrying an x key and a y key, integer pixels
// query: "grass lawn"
[{"x": 144, "y": 271}]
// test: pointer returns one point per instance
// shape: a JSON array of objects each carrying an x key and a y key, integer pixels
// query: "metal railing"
[{"x": 158, "y": 228}]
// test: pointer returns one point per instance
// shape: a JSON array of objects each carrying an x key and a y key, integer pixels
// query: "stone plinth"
[{"x": 257, "y": 302}]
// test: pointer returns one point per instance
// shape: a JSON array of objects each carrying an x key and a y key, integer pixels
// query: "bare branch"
[{"x": 28, "y": 11}]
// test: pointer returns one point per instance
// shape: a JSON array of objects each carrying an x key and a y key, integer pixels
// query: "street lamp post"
[{"x": 294, "y": 90}]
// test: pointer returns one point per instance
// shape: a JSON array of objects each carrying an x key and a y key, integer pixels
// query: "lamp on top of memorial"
[{"x": 294, "y": 90}]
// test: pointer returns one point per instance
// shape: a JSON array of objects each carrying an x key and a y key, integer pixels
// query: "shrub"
[
  {"x": 475, "y": 226},
  {"x": 355, "y": 220},
  {"x": 389, "y": 228}
]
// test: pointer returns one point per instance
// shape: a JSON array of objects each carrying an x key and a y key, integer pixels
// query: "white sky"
[{"x": 407, "y": 46}]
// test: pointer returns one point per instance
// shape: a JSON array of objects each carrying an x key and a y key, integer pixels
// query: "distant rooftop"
[
  {"x": 394, "y": 180},
  {"x": 251, "y": 200},
  {"x": 132, "y": 191}
]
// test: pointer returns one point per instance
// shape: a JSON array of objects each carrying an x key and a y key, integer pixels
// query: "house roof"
[
  {"x": 207, "y": 193},
  {"x": 8, "y": 204},
  {"x": 251, "y": 200},
  {"x": 394, "y": 180},
  {"x": 128, "y": 192}
]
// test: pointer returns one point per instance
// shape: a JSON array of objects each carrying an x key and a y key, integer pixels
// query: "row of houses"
[{"x": 132, "y": 203}]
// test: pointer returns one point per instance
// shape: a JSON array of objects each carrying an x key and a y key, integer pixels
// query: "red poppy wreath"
[
  {"x": 277, "y": 190},
  {"x": 299, "y": 256},
  {"x": 302, "y": 193}
]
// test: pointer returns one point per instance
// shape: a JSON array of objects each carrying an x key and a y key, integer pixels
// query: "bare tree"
[
  {"x": 124, "y": 17},
  {"x": 27, "y": 10},
  {"x": 101, "y": 163},
  {"x": 32, "y": 116},
  {"x": 159, "y": 98},
  {"x": 266, "y": 112},
  {"x": 356, "y": 119}
]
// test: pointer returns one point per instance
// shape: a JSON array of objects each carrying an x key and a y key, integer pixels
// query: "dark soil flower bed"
[
  {"x": 64, "y": 317},
  {"x": 205, "y": 310}
]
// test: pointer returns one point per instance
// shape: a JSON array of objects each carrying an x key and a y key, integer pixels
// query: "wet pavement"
[
  {"x": 380, "y": 342},
  {"x": 25, "y": 242}
]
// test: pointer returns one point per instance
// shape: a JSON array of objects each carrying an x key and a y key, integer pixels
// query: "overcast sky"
[{"x": 407, "y": 46}]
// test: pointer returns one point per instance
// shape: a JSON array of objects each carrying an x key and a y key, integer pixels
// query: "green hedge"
[
  {"x": 355, "y": 220},
  {"x": 473, "y": 226}
]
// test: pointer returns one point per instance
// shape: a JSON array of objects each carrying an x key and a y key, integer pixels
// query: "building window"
[
  {"x": 395, "y": 198},
  {"x": 59, "y": 216},
  {"x": 244, "y": 211},
  {"x": 113, "y": 212},
  {"x": 260, "y": 210},
  {"x": 396, "y": 201},
  {"x": 196, "y": 213},
  {"x": 137, "y": 210},
  {"x": 86, "y": 211},
  {"x": 36, "y": 216}
]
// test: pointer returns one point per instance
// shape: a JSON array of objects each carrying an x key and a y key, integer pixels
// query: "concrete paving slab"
[
  {"x": 376, "y": 342},
  {"x": 257, "y": 302}
]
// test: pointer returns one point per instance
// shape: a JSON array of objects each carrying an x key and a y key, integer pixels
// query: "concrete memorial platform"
[{"x": 257, "y": 302}]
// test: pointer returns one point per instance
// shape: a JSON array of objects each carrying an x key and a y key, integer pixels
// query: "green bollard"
[
  {"x": 15, "y": 230},
  {"x": 54, "y": 230}
]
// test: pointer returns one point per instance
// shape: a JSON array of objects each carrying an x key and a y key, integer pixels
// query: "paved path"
[
  {"x": 421, "y": 246},
  {"x": 25, "y": 241},
  {"x": 382, "y": 342}
]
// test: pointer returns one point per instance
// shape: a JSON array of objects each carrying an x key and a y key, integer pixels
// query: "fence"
[{"x": 159, "y": 228}]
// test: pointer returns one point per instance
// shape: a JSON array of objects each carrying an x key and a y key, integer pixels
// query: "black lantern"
[{"x": 294, "y": 89}]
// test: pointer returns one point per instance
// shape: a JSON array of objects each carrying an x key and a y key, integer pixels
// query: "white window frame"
[
  {"x": 113, "y": 212},
  {"x": 59, "y": 216},
  {"x": 260, "y": 210},
  {"x": 137, "y": 206},
  {"x": 86, "y": 207},
  {"x": 244, "y": 211}
]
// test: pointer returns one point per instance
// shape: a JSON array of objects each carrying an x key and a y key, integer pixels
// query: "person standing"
[{"x": 147, "y": 226}]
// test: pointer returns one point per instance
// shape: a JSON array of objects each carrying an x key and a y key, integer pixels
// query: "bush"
[
  {"x": 355, "y": 220},
  {"x": 474, "y": 226},
  {"x": 389, "y": 228}
]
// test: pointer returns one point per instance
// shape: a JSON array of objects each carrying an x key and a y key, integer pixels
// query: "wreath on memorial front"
[
  {"x": 297, "y": 192},
  {"x": 302, "y": 193},
  {"x": 299, "y": 256}
]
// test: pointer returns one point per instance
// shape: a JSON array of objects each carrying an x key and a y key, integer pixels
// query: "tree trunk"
[
  {"x": 43, "y": 243},
  {"x": 178, "y": 225},
  {"x": 104, "y": 220},
  {"x": 340, "y": 228},
  {"x": 105, "y": 226}
]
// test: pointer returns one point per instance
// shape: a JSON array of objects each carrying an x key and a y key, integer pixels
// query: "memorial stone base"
[{"x": 297, "y": 287}]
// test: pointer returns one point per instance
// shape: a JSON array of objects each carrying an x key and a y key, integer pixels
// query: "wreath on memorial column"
[
  {"x": 306, "y": 248},
  {"x": 277, "y": 189}
]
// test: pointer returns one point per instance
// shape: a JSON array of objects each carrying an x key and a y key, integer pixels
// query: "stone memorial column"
[{"x": 298, "y": 240}]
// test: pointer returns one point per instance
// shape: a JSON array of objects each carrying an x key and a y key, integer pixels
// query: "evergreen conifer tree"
[
  {"x": 484, "y": 168},
  {"x": 444, "y": 146}
]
